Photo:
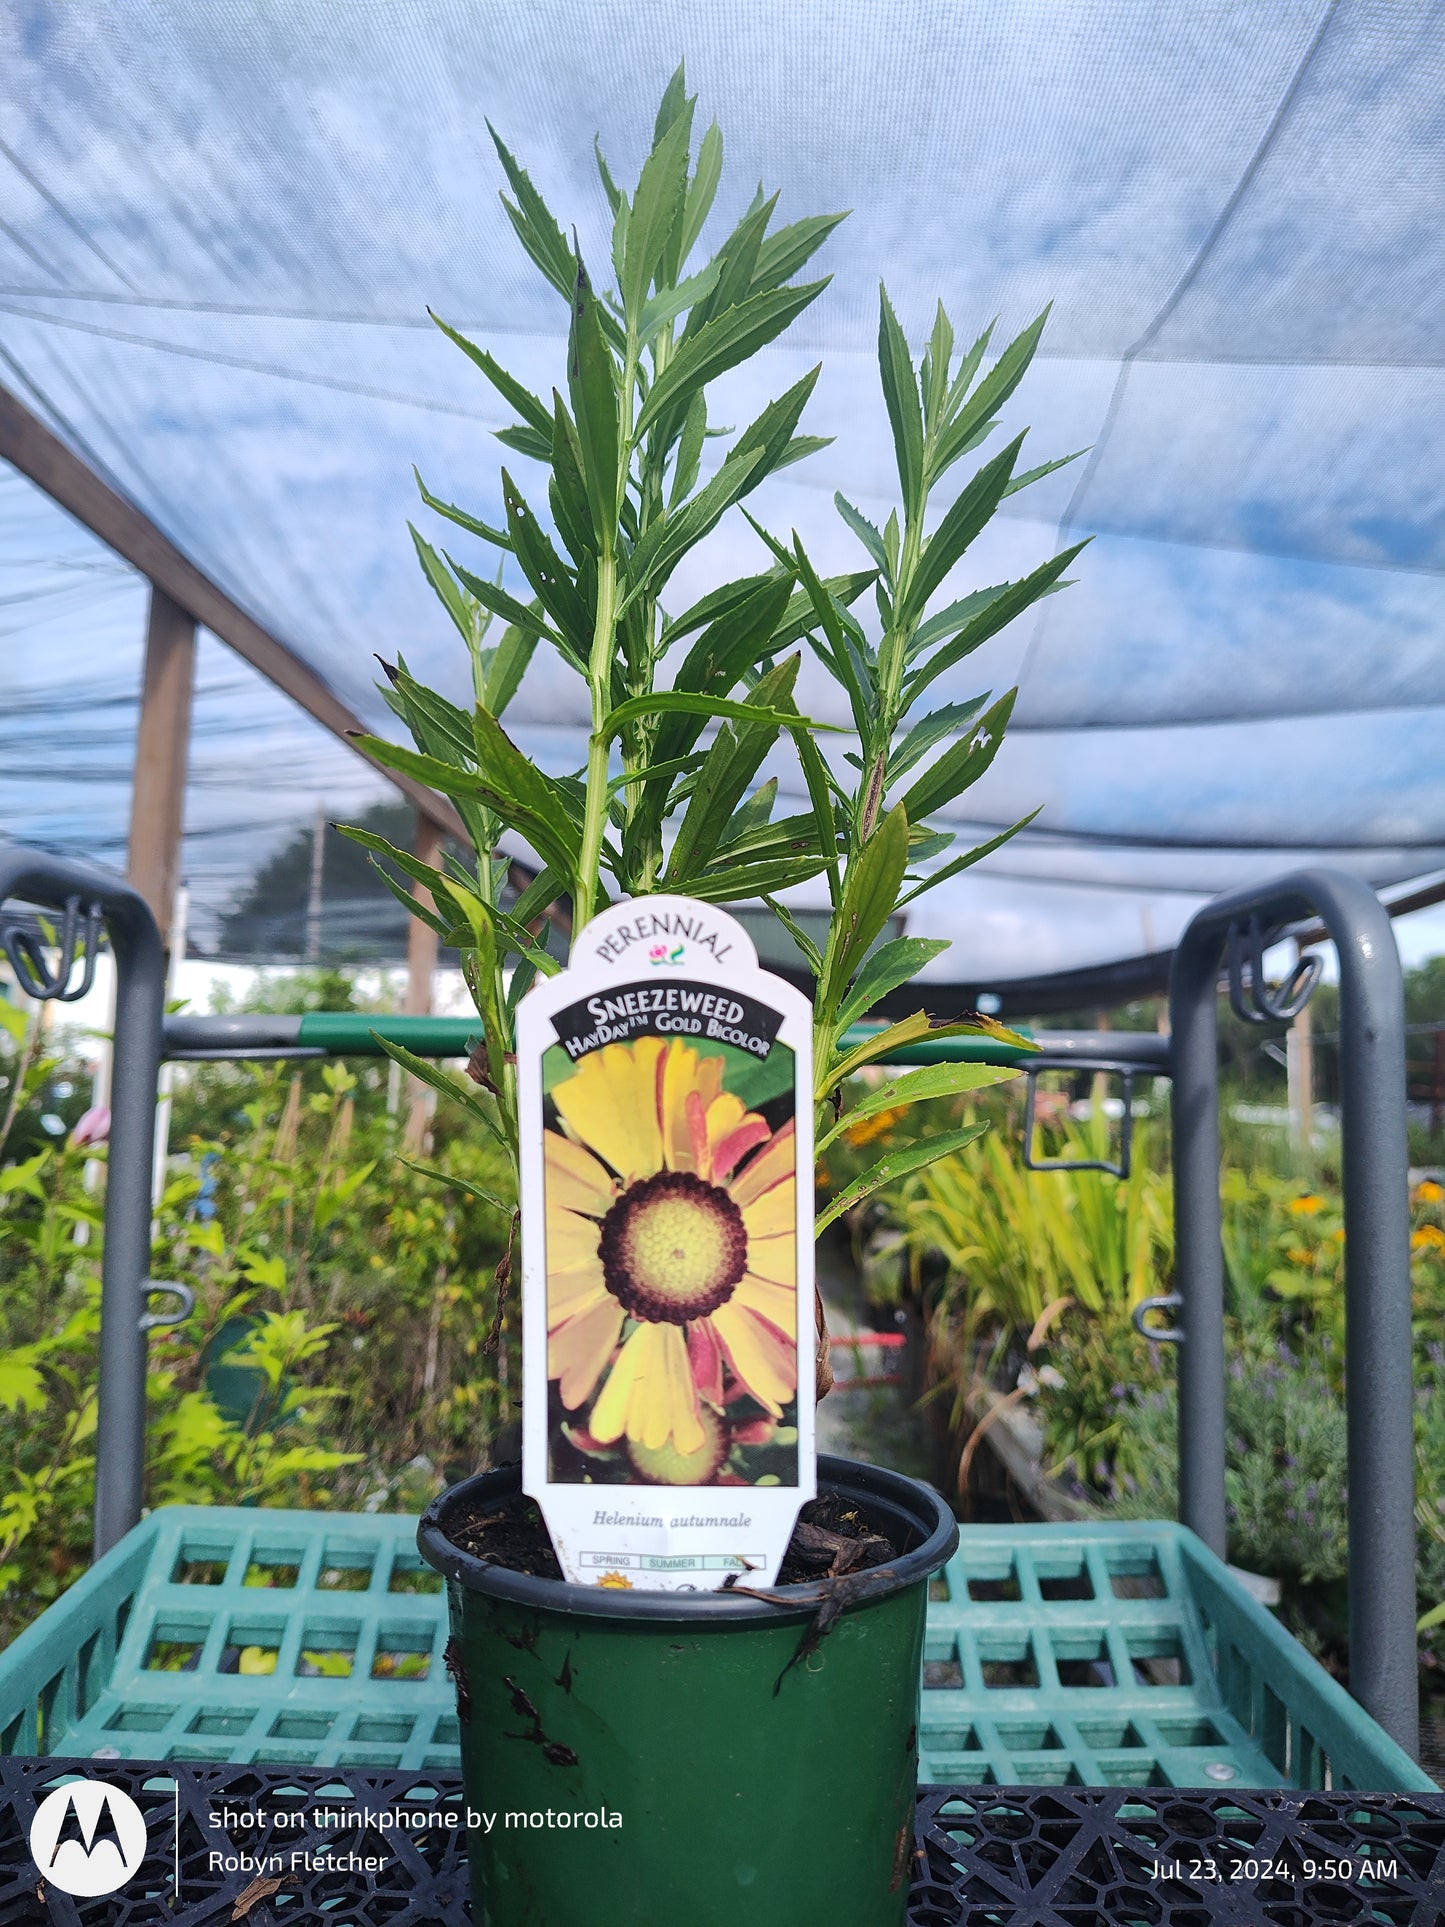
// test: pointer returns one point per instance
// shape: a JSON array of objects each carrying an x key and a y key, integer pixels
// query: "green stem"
[{"x": 599, "y": 677}]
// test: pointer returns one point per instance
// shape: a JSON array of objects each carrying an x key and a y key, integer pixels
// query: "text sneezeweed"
[{"x": 686, "y": 705}]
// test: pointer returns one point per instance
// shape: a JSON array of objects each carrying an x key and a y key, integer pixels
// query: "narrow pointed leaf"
[
  {"x": 593, "y": 394},
  {"x": 897, "y": 1164},
  {"x": 961, "y": 765},
  {"x": 965, "y": 518},
  {"x": 890, "y": 967},
  {"x": 529, "y": 406},
  {"x": 996, "y": 615},
  {"x": 900, "y": 392},
  {"x": 870, "y": 891},
  {"x": 917, "y": 1087},
  {"x": 655, "y": 210},
  {"x": 723, "y": 343},
  {"x": 969, "y": 858}
]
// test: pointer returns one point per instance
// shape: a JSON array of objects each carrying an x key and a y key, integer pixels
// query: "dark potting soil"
[{"x": 832, "y": 1537}]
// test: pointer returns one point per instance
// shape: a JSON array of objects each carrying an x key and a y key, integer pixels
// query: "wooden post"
[
  {"x": 158, "y": 794},
  {"x": 422, "y": 950}
]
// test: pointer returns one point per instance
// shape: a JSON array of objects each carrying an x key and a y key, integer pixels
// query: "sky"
[{"x": 219, "y": 237}]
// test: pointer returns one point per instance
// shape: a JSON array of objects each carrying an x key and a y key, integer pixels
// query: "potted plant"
[{"x": 637, "y": 1756}]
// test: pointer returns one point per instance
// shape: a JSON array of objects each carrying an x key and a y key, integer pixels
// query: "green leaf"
[
  {"x": 935, "y": 367},
  {"x": 897, "y": 1164},
  {"x": 870, "y": 891},
  {"x": 890, "y": 966},
  {"x": 962, "y": 764},
  {"x": 661, "y": 188},
  {"x": 1044, "y": 468},
  {"x": 771, "y": 435},
  {"x": 527, "y": 405},
  {"x": 932, "y": 729},
  {"x": 535, "y": 794},
  {"x": 912, "y": 1030},
  {"x": 1002, "y": 379},
  {"x": 507, "y": 667},
  {"x": 734, "y": 639},
  {"x": 949, "y": 620},
  {"x": 783, "y": 253},
  {"x": 866, "y": 533},
  {"x": 800, "y": 448},
  {"x": 723, "y": 343},
  {"x": 498, "y": 538},
  {"x": 784, "y": 838},
  {"x": 615, "y": 196},
  {"x": 811, "y": 954},
  {"x": 731, "y": 764},
  {"x": 492, "y": 596},
  {"x": 445, "y": 584},
  {"x": 689, "y": 451},
  {"x": 825, "y": 821},
  {"x": 526, "y": 441},
  {"x": 996, "y": 614},
  {"x": 667, "y": 542},
  {"x": 752, "y": 814},
  {"x": 458, "y": 1184},
  {"x": 737, "y": 258},
  {"x": 744, "y": 882},
  {"x": 837, "y": 657},
  {"x": 679, "y": 702},
  {"x": 551, "y": 579},
  {"x": 591, "y": 384},
  {"x": 967, "y": 861},
  {"x": 405, "y": 898},
  {"x": 439, "y": 1081},
  {"x": 965, "y": 518},
  {"x": 712, "y": 607},
  {"x": 900, "y": 392},
  {"x": 701, "y": 191},
  {"x": 533, "y": 221},
  {"x": 567, "y": 491},
  {"x": 916, "y": 1087}
]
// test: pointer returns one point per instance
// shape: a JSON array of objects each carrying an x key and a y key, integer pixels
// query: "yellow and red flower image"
[{"x": 671, "y": 1246}]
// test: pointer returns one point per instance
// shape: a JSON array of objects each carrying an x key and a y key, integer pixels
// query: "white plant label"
[{"x": 665, "y": 1093}]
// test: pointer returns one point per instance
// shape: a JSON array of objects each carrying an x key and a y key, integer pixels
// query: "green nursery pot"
[{"x": 635, "y": 1759}]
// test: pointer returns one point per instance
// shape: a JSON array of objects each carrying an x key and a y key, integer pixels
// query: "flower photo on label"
[{"x": 671, "y": 1219}]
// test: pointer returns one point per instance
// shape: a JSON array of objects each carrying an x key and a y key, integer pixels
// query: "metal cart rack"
[{"x": 1302, "y": 1731}]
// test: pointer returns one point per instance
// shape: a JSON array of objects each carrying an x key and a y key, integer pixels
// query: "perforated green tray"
[
  {"x": 144, "y": 1655},
  {"x": 1128, "y": 1655},
  {"x": 1100, "y": 1655}
]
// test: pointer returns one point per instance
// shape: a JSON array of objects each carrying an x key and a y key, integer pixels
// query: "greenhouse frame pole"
[
  {"x": 162, "y": 754},
  {"x": 1378, "y": 1347},
  {"x": 56, "y": 883}
]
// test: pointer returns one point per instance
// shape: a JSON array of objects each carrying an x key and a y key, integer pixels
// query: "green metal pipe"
[{"x": 354, "y": 1034}]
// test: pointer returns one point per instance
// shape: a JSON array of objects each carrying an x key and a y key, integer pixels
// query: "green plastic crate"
[
  {"x": 142, "y": 1655},
  {"x": 1081, "y": 1654},
  {"x": 1128, "y": 1655}
]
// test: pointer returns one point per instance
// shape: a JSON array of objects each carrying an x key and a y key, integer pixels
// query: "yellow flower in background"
[
  {"x": 670, "y": 1204},
  {"x": 1427, "y": 1191},
  {"x": 1428, "y": 1238},
  {"x": 1306, "y": 1207}
]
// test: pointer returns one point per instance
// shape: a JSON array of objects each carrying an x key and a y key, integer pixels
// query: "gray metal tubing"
[
  {"x": 231, "y": 1036},
  {"x": 36, "y": 878},
  {"x": 1378, "y": 1361}
]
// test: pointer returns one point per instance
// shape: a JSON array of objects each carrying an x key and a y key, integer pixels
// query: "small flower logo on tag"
[{"x": 660, "y": 953}]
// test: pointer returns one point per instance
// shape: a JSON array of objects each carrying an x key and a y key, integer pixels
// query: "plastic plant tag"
[{"x": 665, "y": 1097}]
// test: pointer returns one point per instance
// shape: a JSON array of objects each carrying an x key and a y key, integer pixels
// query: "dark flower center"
[{"x": 673, "y": 1248}]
